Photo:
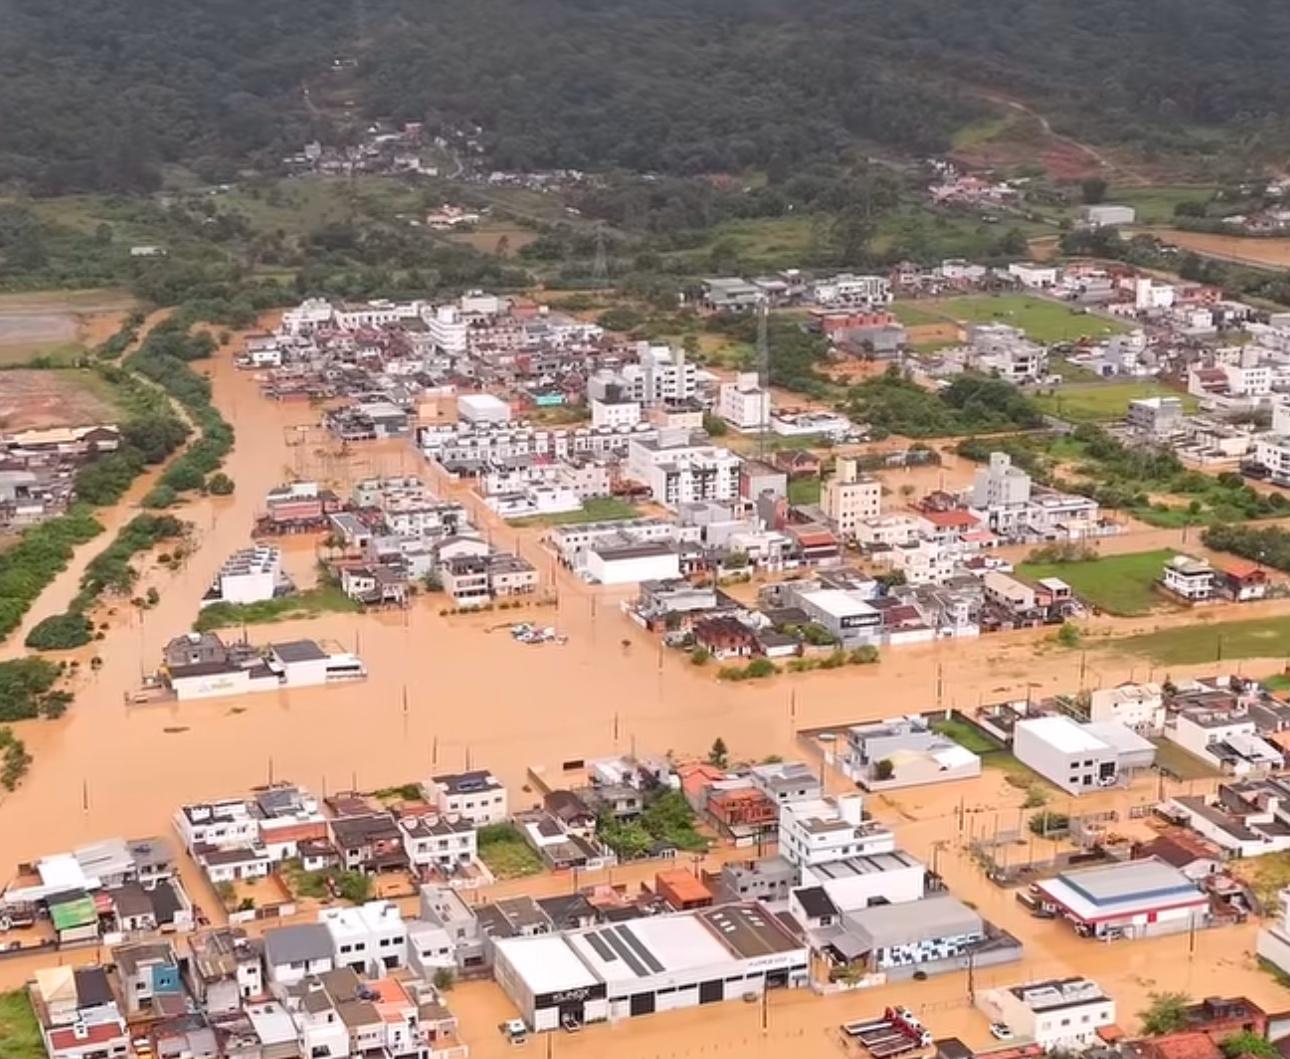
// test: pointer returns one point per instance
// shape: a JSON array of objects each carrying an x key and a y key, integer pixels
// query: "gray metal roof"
[
  {"x": 296, "y": 944},
  {"x": 912, "y": 921}
]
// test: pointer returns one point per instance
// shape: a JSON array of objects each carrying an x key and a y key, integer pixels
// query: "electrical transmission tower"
[
  {"x": 600, "y": 264},
  {"x": 763, "y": 377}
]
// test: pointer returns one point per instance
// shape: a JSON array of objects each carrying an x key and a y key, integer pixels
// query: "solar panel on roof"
[
  {"x": 602, "y": 950},
  {"x": 629, "y": 958},
  {"x": 641, "y": 950}
]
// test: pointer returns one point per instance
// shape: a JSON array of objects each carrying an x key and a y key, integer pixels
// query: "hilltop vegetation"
[{"x": 97, "y": 95}]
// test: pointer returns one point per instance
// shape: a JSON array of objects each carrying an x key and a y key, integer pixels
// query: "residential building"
[
  {"x": 369, "y": 842},
  {"x": 1245, "y": 819},
  {"x": 743, "y": 403},
  {"x": 849, "y": 498},
  {"x": 1188, "y": 578},
  {"x": 445, "y": 844},
  {"x": 292, "y": 953},
  {"x": 249, "y": 576},
  {"x": 826, "y": 829},
  {"x": 1058, "y": 1014},
  {"x": 1155, "y": 417},
  {"x": 483, "y": 408},
  {"x": 615, "y": 412},
  {"x": 225, "y": 968},
  {"x": 846, "y": 289},
  {"x": 1080, "y": 758},
  {"x": 730, "y": 294},
  {"x": 78, "y": 1014},
  {"x": 912, "y": 752},
  {"x": 229, "y": 822},
  {"x": 371, "y": 938},
  {"x": 477, "y": 796},
  {"x": 149, "y": 976},
  {"x": 1000, "y": 484},
  {"x": 1224, "y": 739},
  {"x": 784, "y": 782},
  {"x": 677, "y": 472},
  {"x": 1137, "y": 706}
]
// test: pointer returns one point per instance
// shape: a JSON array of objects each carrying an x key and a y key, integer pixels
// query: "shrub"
[
  {"x": 220, "y": 484},
  {"x": 884, "y": 769},
  {"x": 60, "y": 632},
  {"x": 700, "y": 656}
]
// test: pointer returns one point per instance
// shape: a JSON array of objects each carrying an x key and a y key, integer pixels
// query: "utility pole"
[{"x": 763, "y": 377}]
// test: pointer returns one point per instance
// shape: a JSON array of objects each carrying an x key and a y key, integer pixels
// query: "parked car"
[
  {"x": 1000, "y": 1031},
  {"x": 515, "y": 1031}
]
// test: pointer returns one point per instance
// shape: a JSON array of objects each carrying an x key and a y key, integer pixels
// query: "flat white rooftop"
[
  {"x": 1063, "y": 734},
  {"x": 838, "y": 602},
  {"x": 548, "y": 964}
]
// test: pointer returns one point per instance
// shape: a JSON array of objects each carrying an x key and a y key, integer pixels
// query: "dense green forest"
[{"x": 96, "y": 94}]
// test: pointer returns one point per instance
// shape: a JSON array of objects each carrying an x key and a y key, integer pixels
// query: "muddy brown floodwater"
[{"x": 474, "y": 694}]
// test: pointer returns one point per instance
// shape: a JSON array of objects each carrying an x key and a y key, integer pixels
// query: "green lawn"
[
  {"x": 1267, "y": 874},
  {"x": 506, "y": 853},
  {"x": 804, "y": 490},
  {"x": 992, "y": 753},
  {"x": 308, "y": 604},
  {"x": 912, "y": 314},
  {"x": 1117, "y": 584},
  {"x": 1042, "y": 320},
  {"x": 1155, "y": 205},
  {"x": 19, "y": 1031},
  {"x": 1278, "y": 682},
  {"x": 597, "y": 509},
  {"x": 1085, "y": 402},
  {"x": 1169, "y": 755},
  {"x": 1194, "y": 644}
]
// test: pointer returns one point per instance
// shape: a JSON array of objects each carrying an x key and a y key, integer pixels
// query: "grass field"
[
  {"x": 1095, "y": 401},
  {"x": 1117, "y": 584},
  {"x": 506, "y": 853},
  {"x": 597, "y": 509},
  {"x": 1155, "y": 205},
  {"x": 1173, "y": 758},
  {"x": 992, "y": 753},
  {"x": 913, "y": 313},
  {"x": 804, "y": 490},
  {"x": 19, "y": 1031},
  {"x": 309, "y": 604},
  {"x": 1042, "y": 320},
  {"x": 1221, "y": 641},
  {"x": 1267, "y": 874}
]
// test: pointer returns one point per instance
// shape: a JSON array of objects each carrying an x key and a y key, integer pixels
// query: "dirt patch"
[
  {"x": 932, "y": 334},
  {"x": 38, "y": 399},
  {"x": 51, "y": 323},
  {"x": 1265, "y": 253},
  {"x": 487, "y": 238}
]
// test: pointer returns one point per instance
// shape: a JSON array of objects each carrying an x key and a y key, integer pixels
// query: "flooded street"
[{"x": 475, "y": 695}]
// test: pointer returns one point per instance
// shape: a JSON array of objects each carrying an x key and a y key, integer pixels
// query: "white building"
[
  {"x": 743, "y": 403},
  {"x": 624, "y": 564},
  {"x": 228, "y": 822},
  {"x": 483, "y": 408},
  {"x": 1029, "y": 274},
  {"x": 1273, "y": 942},
  {"x": 1191, "y": 579},
  {"x": 438, "y": 842},
  {"x": 847, "y": 289},
  {"x": 648, "y": 965},
  {"x": 614, "y": 413},
  {"x": 291, "y": 953},
  {"x": 1137, "y": 706},
  {"x": 828, "y": 829},
  {"x": 1273, "y": 452},
  {"x": 848, "y": 497},
  {"x": 370, "y": 938},
  {"x": 1224, "y": 740},
  {"x": 858, "y": 882},
  {"x": 1155, "y": 417},
  {"x": 248, "y": 576},
  {"x": 476, "y": 796},
  {"x": 1080, "y": 758},
  {"x": 1000, "y": 484},
  {"x": 1107, "y": 215},
  {"x": 447, "y": 329},
  {"x": 682, "y": 473},
  {"x": 1059, "y": 1015}
]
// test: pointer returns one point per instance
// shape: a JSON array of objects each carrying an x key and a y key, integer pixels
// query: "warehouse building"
[
  {"x": 1131, "y": 899},
  {"x": 658, "y": 963},
  {"x": 1081, "y": 758}
]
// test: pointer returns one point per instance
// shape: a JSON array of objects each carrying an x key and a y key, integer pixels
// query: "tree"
[
  {"x": 1167, "y": 1013},
  {"x": 701, "y": 656},
  {"x": 59, "y": 632},
  {"x": 1247, "y": 1042},
  {"x": 719, "y": 755},
  {"x": 1069, "y": 634},
  {"x": 714, "y": 425},
  {"x": 1094, "y": 190},
  {"x": 884, "y": 769},
  {"x": 444, "y": 979},
  {"x": 220, "y": 484}
]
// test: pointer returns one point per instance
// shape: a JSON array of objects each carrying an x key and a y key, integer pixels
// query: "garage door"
[
  {"x": 643, "y": 1004},
  {"x": 711, "y": 992}
]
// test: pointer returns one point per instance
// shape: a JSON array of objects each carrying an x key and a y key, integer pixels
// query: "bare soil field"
[
  {"x": 38, "y": 399},
  {"x": 51, "y": 323},
  {"x": 487, "y": 237},
  {"x": 1266, "y": 253}
]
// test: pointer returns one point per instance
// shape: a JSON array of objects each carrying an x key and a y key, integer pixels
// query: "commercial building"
[
  {"x": 622, "y": 564},
  {"x": 642, "y": 966},
  {"x": 1129, "y": 899},
  {"x": 483, "y": 408},
  {"x": 846, "y": 613},
  {"x": 731, "y": 294},
  {"x": 1107, "y": 215},
  {"x": 1059, "y": 1014},
  {"x": 1080, "y": 758}
]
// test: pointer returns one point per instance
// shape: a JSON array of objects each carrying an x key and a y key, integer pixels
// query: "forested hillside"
[{"x": 100, "y": 93}]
